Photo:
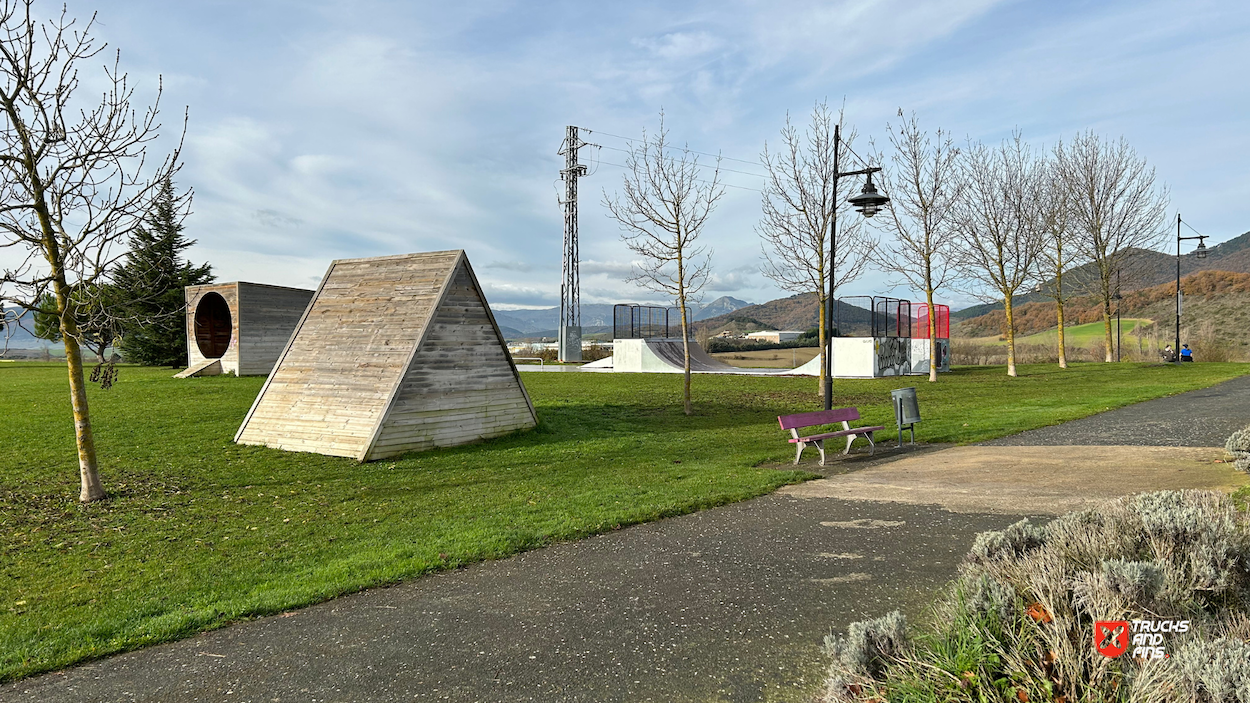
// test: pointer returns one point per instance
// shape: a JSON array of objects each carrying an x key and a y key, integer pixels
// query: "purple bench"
[{"x": 794, "y": 423}]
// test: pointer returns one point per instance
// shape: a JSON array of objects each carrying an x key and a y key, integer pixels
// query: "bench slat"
[
  {"x": 822, "y": 417},
  {"x": 840, "y": 433}
]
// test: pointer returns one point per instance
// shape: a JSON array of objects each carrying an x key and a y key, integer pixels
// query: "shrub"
[
  {"x": 1018, "y": 622},
  {"x": 1238, "y": 445}
]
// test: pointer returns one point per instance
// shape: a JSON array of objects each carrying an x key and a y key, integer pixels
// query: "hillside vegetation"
[{"x": 1216, "y": 316}]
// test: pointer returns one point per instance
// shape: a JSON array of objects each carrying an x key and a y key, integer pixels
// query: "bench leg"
[
  {"x": 820, "y": 444},
  {"x": 798, "y": 454},
  {"x": 872, "y": 446},
  {"x": 850, "y": 439}
]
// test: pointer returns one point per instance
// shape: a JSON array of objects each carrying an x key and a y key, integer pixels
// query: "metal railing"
[{"x": 645, "y": 322}]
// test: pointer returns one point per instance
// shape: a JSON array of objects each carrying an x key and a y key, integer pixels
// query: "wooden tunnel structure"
[
  {"x": 239, "y": 328},
  {"x": 394, "y": 354}
]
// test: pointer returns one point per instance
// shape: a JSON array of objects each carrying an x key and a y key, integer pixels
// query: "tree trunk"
[
  {"x": 1011, "y": 336},
  {"x": 1063, "y": 353},
  {"x": 933, "y": 355},
  {"x": 1106, "y": 325},
  {"x": 91, "y": 490}
]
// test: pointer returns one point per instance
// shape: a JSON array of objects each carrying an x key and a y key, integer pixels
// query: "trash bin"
[{"x": 906, "y": 411}]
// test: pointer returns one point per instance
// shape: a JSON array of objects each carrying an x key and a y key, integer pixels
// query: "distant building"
[{"x": 774, "y": 336}]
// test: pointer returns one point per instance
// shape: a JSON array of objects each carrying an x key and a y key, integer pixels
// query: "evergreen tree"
[
  {"x": 47, "y": 322},
  {"x": 150, "y": 284},
  {"x": 94, "y": 314}
]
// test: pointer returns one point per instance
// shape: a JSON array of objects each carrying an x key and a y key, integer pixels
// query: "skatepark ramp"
[{"x": 667, "y": 355}]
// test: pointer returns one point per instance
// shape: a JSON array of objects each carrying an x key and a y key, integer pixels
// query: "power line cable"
[
  {"x": 698, "y": 179},
  {"x": 719, "y": 168},
  {"x": 692, "y": 151}
]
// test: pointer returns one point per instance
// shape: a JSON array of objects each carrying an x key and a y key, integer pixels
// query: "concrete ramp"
[
  {"x": 208, "y": 367},
  {"x": 667, "y": 355}
]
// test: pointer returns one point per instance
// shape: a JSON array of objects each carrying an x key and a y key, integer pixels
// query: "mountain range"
[
  {"x": 596, "y": 318},
  {"x": 1143, "y": 268},
  {"x": 18, "y": 336}
]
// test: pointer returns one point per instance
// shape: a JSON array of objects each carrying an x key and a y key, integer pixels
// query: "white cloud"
[{"x": 342, "y": 129}]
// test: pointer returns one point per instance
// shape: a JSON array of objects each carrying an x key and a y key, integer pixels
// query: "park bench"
[{"x": 794, "y": 423}]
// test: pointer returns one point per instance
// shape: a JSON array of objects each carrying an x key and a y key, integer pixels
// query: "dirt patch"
[{"x": 1028, "y": 480}]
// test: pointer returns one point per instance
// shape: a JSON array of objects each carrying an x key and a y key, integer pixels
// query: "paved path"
[
  {"x": 1202, "y": 418},
  {"x": 1046, "y": 480},
  {"x": 725, "y": 605}
]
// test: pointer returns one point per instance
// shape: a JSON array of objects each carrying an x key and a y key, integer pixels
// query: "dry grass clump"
[
  {"x": 1017, "y": 624},
  {"x": 1238, "y": 446}
]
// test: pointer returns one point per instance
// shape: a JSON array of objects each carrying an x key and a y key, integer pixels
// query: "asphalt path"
[
  {"x": 729, "y": 604},
  {"x": 1201, "y": 418}
]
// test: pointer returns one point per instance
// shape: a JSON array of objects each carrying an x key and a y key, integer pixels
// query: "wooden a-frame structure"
[{"x": 394, "y": 354}]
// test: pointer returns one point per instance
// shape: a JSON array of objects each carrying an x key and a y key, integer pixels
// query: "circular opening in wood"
[{"x": 212, "y": 326}]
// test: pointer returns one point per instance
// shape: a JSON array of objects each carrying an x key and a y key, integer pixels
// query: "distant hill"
[
  {"x": 595, "y": 318},
  {"x": 797, "y": 312},
  {"x": 18, "y": 335},
  {"x": 721, "y": 306},
  {"x": 1216, "y": 307},
  {"x": 1143, "y": 268}
]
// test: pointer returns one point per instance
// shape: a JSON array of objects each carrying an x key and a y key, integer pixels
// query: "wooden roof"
[{"x": 341, "y": 371}]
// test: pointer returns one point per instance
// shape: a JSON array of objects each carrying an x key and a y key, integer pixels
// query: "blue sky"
[{"x": 323, "y": 130}]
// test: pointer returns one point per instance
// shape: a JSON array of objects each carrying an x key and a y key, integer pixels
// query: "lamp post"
[
  {"x": 1199, "y": 253},
  {"x": 869, "y": 202},
  {"x": 1119, "y": 327}
]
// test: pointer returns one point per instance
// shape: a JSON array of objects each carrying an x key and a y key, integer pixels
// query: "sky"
[{"x": 325, "y": 130}]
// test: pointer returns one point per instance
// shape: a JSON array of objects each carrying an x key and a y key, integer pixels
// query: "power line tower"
[{"x": 570, "y": 343}]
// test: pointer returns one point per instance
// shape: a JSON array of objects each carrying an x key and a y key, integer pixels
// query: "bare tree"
[
  {"x": 662, "y": 209},
  {"x": 923, "y": 180},
  {"x": 1059, "y": 252},
  {"x": 73, "y": 181},
  {"x": 798, "y": 204},
  {"x": 1117, "y": 208},
  {"x": 997, "y": 225}
]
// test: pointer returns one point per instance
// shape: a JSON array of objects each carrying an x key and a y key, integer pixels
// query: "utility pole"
[{"x": 570, "y": 329}]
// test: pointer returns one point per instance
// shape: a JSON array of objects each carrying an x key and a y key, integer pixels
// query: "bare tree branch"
[
  {"x": 923, "y": 181},
  {"x": 662, "y": 209},
  {"x": 1116, "y": 208},
  {"x": 997, "y": 226},
  {"x": 798, "y": 214},
  {"x": 74, "y": 180}
]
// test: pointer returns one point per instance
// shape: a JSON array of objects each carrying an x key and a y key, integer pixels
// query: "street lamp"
[
  {"x": 869, "y": 202},
  {"x": 1199, "y": 253},
  {"x": 1119, "y": 327}
]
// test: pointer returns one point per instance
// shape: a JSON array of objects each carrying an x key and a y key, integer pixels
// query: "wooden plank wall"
[
  {"x": 330, "y": 389},
  {"x": 460, "y": 387},
  {"x": 267, "y": 317},
  {"x": 192, "y": 295}
]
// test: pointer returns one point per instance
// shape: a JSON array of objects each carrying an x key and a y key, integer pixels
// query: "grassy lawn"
[
  {"x": 1075, "y": 335},
  {"x": 199, "y": 532}
]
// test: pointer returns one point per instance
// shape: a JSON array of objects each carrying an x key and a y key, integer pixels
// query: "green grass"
[
  {"x": 199, "y": 532},
  {"x": 1075, "y": 335}
]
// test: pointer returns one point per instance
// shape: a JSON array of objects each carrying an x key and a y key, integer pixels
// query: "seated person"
[
  {"x": 1187, "y": 354},
  {"x": 1167, "y": 354}
]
